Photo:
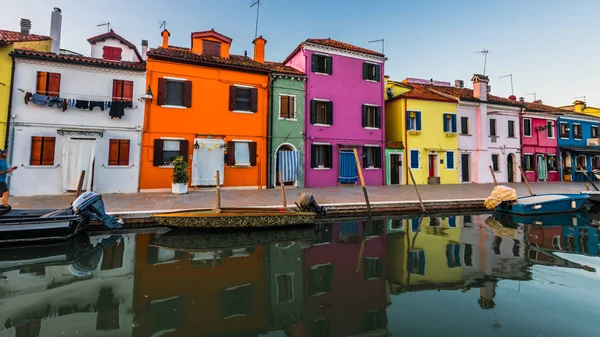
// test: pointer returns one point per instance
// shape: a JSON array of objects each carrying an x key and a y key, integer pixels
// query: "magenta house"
[
  {"x": 539, "y": 145},
  {"x": 344, "y": 111}
]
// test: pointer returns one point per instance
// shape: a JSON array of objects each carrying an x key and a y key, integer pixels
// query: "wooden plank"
[
  {"x": 362, "y": 181},
  {"x": 80, "y": 184},
  {"x": 282, "y": 189}
]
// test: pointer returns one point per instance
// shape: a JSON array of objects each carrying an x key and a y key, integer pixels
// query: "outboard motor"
[
  {"x": 308, "y": 204},
  {"x": 90, "y": 205}
]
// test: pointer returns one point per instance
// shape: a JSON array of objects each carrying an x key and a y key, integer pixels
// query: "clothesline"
[
  {"x": 116, "y": 106},
  {"x": 96, "y": 97}
]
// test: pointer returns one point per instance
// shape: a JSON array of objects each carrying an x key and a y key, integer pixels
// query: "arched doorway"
[
  {"x": 286, "y": 161},
  {"x": 511, "y": 164}
]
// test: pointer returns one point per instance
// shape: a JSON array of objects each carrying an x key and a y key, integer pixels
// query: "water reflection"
[{"x": 353, "y": 278}]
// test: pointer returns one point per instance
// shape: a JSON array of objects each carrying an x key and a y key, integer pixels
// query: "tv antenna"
[
  {"x": 512, "y": 92},
  {"x": 485, "y": 53},
  {"x": 107, "y": 24},
  {"x": 534, "y": 95},
  {"x": 584, "y": 98},
  {"x": 163, "y": 25},
  {"x": 257, "y": 4},
  {"x": 382, "y": 44}
]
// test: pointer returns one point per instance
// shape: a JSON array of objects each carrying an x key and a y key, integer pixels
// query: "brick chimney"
[
  {"x": 165, "y": 35},
  {"x": 144, "y": 50},
  {"x": 25, "y": 26},
  {"x": 259, "y": 49},
  {"x": 480, "y": 86}
]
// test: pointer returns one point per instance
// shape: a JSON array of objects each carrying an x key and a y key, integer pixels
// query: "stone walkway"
[{"x": 125, "y": 203}]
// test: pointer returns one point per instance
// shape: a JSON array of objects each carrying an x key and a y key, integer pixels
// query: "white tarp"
[
  {"x": 77, "y": 155},
  {"x": 208, "y": 158}
]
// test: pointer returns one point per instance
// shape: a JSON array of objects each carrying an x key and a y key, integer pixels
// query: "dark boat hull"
[{"x": 20, "y": 226}]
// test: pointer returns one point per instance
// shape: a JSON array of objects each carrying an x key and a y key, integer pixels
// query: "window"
[
  {"x": 371, "y": 72},
  {"x": 413, "y": 120},
  {"x": 118, "y": 152},
  {"x": 464, "y": 125},
  {"x": 111, "y": 53},
  {"x": 526, "y": 127},
  {"x": 496, "y": 245},
  {"x": 243, "y": 99},
  {"x": 594, "y": 132},
  {"x": 556, "y": 243},
  {"x": 552, "y": 164},
  {"x": 565, "y": 132},
  {"x": 320, "y": 328},
  {"x": 581, "y": 162},
  {"x": 496, "y": 162},
  {"x": 450, "y": 164},
  {"x": 372, "y": 268},
  {"x": 576, "y": 131},
  {"x": 511, "y": 128},
  {"x": 415, "y": 159},
  {"x": 237, "y": 301},
  {"x": 285, "y": 288},
  {"x": 492, "y": 127},
  {"x": 174, "y": 93},
  {"x": 241, "y": 153},
  {"x": 449, "y": 123},
  {"x": 320, "y": 279},
  {"x": 211, "y": 48},
  {"x": 122, "y": 90},
  {"x": 321, "y": 156},
  {"x": 371, "y": 116},
  {"x": 321, "y": 112},
  {"x": 371, "y": 157},
  {"x": 112, "y": 257},
  {"x": 516, "y": 250},
  {"x": 468, "y": 255},
  {"x": 374, "y": 320},
  {"x": 453, "y": 255},
  {"x": 550, "y": 129},
  {"x": 42, "y": 151},
  {"x": 528, "y": 164},
  {"x": 322, "y": 64},
  {"x": 165, "y": 150},
  {"x": 287, "y": 107},
  {"x": 416, "y": 262},
  {"x": 374, "y": 228},
  {"x": 30, "y": 327},
  {"x": 595, "y": 162},
  {"x": 48, "y": 84},
  {"x": 158, "y": 255}
]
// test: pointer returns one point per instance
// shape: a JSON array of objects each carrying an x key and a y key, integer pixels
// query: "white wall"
[
  {"x": 126, "y": 55},
  {"x": 77, "y": 82}
]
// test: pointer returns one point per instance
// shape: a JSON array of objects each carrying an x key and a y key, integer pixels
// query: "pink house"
[
  {"x": 344, "y": 111},
  {"x": 539, "y": 142}
]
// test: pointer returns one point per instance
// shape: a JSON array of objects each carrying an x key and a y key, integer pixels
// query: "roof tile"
[
  {"x": 79, "y": 59},
  {"x": 422, "y": 93},
  {"x": 344, "y": 46},
  {"x": 112, "y": 35},
  {"x": 8, "y": 37}
]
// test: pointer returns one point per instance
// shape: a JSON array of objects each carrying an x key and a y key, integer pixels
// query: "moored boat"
[{"x": 504, "y": 199}]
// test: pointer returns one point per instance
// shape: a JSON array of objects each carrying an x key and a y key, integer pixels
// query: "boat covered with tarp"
[{"x": 504, "y": 199}]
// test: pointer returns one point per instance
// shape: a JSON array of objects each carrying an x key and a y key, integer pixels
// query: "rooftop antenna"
[
  {"x": 485, "y": 53},
  {"x": 512, "y": 91},
  {"x": 163, "y": 25},
  {"x": 584, "y": 98},
  {"x": 534, "y": 95},
  {"x": 257, "y": 4},
  {"x": 107, "y": 24},
  {"x": 382, "y": 44}
]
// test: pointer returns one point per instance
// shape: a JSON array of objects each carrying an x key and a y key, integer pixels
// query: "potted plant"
[
  {"x": 180, "y": 176},
  {"x": 567, "y": 173}
]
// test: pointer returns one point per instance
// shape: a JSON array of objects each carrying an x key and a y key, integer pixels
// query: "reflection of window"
[
  {"x": 468, "y": 220},
  {"x": 320, "y": 279},
  {"x": 173, "y": 308},
  {"x": 434, "y": 222},
  {"x": 453, "y": 255},
  {"x": 565, "y": 132},
  {"x": 28, "y": 329},
  {"x": 40, "y": 270},
  {"x": 324, "y": 233},
  {"x": 556, "y": 243},
  {"x": 576, "y": 131},
  {"x": 237, "y": 301},
  {"x": 285, "y": 288},
  {"x": 374, "y": 320},
  {"x": 581, "y": 162},
  {"x": 516, "y": 248},
  {"x": 496, "y": 245},
  {"x": 374, "y": 228},
  {"x": 468, "y": 255},
  {"x": 112, "y": 257},
  {"x": 107, "y": 318},
  {"x": 160, "y": 255},
  {"x": 552, "y": 163},
  {"x": 372, "y": 268},
  {"x": 528, "y": 163},
  {"x": 416, "y": 262},
  {"x": 320, "y": 328}
]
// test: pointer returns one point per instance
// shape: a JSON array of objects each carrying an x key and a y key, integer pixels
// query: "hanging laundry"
[
  {"x": 27, "y": 97},
  {"x": 106, "y": 105},
  {"x": 94, "y": 104},
  {"x": 39, "y": 99},
  {"x": 55, "y": 100},
  {"x": 128, "y": 104},
  {"x": 71, "y": 102},
  {"x": 116, "y": 110},
  {"x": 64, "y": 104},
  {"x": 81, "y": 104}
]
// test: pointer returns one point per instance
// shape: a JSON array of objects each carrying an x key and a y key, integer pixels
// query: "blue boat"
[
  {"x": 544, "y": 204},
  {"x": 565, "y": 219}
]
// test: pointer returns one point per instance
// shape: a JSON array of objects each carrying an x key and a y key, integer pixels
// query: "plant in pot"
[
  {"x": 180, "y": 176},
  {"x": 567, "y": 173}
]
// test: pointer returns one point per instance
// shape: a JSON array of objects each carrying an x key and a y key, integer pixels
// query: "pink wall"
[{"x": 539, "y": 143}]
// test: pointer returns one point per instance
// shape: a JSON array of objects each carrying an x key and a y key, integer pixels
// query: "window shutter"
[
  {"x": 364, "y": 156},
  {"x": 49, "y": 147},
  {"x": 330, "y": 113},
  {"x": 365, "y": 70},
  {"x": 184, "y": 149},
  {"x": 450, "y": 160},
  {"x": 418, "y": 116},
  {"x": 124, "y": 146},
  {"x": 284, "y": 106},
  {"x": 117, "y": 54},
  {"x": 329, "y": 160},
  {"x": 292, "y": 107},
  {"x": 377, "y": 73},
  {"x": 313, "y": 112},
  {"x": 53, "y": 84},
  {"x": 162, "y": 94},
  {"x": 414, "y": 159},
  {"x": 378, "y": 157},
  {"x": 35, "y": 157},
  {"x": 445, "y": 122},
  {"x": 254, "y": 100},
  {"x": 314, "y": 63},
  {"x": 128, "y": 90},
  {"x": 408, "y": 120},
  {"x": 42, "y": 80},
  {"x": 117, "y": 90},
  {"x": 187, "y": 94},
  {"x": 252, "y": 151},
  {"x": 232, "y": 98},
  {"x": 329, "y": 65},
  {"x": 313, "y": 156},
  {"x": 453, "y": 119},
  {"x": 364, "y": 115},
  {"x": 231, "y": 153},
  {"x": 378, "y": 117},
  {"x": 113, "y": 152},
  {"x": 158, "y": 152}
]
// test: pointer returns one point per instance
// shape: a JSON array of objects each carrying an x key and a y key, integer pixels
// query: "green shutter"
[
  {"x": 365, "y": 70},
  {"x": 329, "y": 65},
  {"x": 313, "y": 67},
  {"x": 377, "y": 73}
]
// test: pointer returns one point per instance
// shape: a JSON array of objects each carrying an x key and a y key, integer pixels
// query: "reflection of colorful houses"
[
  {"x": 201, "y": 292},
  {"x": 569, "y": 239},
  {"x": 345, "y": 286}
]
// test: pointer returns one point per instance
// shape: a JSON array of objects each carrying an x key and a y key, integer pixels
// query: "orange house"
[
  {"x": 210, "y": 107},
  {"x": 199, "y": 293}
]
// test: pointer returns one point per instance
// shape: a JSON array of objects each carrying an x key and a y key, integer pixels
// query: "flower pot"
[
  {"x": 567, "y": 177},
  {"x": 179, "y": 188}
]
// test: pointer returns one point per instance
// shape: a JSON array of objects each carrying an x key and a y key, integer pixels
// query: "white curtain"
[
  {"x": 77, "y": 155},
  {"x": 208, "y": 158},
  {"x": 242, "y": 154}
]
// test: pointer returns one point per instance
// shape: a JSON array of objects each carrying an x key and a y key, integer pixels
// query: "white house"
[{"x": 95, "y": 124}]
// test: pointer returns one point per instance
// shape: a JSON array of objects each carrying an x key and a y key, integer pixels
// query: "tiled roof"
[
  {"x": 112, "y": 35},
  {"x": 539, "y": 107},
  {"x": 467, "y": 95},
  {"x": 422, "y": 93},
  {"x": 78, "y": 59},
  {"x": 333, "y": 44},
  {"x": 8, "y": 37},
  {"x": 179, "y": 54}
]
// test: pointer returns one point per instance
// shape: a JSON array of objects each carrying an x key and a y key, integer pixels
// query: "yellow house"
[
  {"x": 426, "y": 124},
  {"x": 581, "y": 106},
  {"x": 9, "y": 41},
  {"x": 424, "y": 257}
]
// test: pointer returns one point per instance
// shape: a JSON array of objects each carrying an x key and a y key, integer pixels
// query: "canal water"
[{"x": 467, "y": 275}]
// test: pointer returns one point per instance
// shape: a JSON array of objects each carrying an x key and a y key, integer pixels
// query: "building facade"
[
  {"x": 345, "y": 111},
  {"x": 75, "y": 113},
  {"x": 578, "y": 146}
]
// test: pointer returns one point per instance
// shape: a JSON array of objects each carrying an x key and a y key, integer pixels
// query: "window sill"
[
  {"x": 322, "y": 74},
  {"x": 322, "y": 125},
  {"x": 528, "y": 136},
  {"x": 466, "y": 134},
  {"x": 43, "y": 167},
  {"x": 372, "y": 81},
  {"x": 321, "y": 168},
  {"x": 243, "y": 112},
  {"x": 288, "y": 119},
  {"x": 241, "y": 166},
  {"x": 370, "y": 128},
  {"x": 173, "y": 106},
  {"x": 118, "y": 166},
  {"x": 415, "y": 168},
  {"x": 165, "y": 166},
  {"x": 372, "y": 168},
  {"x": 511, "y": 137}
]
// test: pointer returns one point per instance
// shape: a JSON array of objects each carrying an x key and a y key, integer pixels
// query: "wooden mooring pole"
[
  {"x": 217, "y": 208},
  {"x": 587, "y": 177},
  {"x": 525, "y": 180},
  {"x": 80, "y": 184},
  {"x": 417, "y": 190},
  {"x": 362, "y": 181},
  {"x": 493, "y": 175},
  {"x": 282, "y": 189}
]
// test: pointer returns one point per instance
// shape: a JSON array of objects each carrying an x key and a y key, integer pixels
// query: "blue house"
[{"x": 577, "y": 144}]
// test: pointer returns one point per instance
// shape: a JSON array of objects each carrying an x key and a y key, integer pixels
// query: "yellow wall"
[
  {"x": 394, "y": 113},
  {"x": 5, "y": 77}
]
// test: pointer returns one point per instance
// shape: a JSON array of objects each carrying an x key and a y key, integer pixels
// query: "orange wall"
[
  {"x": 201, "y": 289},
  {"x": 209, "y": 114}
]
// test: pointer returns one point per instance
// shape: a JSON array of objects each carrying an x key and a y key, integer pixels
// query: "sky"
[{"x": 549, "y": 46}]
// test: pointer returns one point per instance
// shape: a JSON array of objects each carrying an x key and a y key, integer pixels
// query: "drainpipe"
[
  {"x": 270, "y": 134},
  {"x": 12, "y": 82},
  {"x": 406, "y": 152}
]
